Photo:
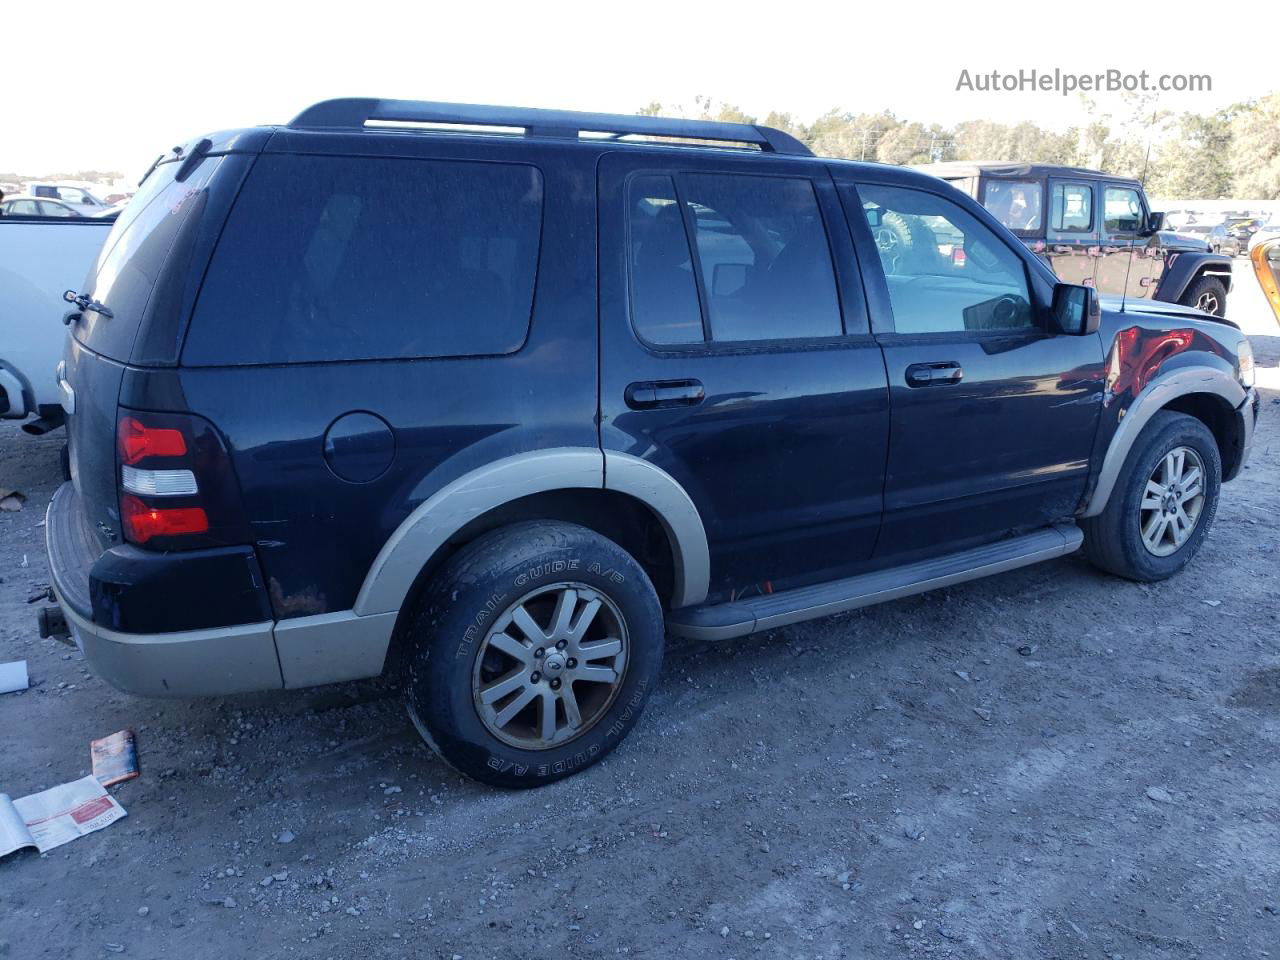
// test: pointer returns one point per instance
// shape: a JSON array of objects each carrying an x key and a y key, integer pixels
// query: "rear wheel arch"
[
  {"x": 627, "y": 500},
  {"x": 617, "y": 517}
]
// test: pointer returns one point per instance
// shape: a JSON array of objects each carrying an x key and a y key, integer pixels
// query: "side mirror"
[
  {"x": 1077, "y": 311},
  {"x": 1155, "y": 221},
  {"x": 1265, "y": 258}
]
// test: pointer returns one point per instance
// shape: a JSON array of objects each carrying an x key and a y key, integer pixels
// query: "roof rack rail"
[{"x": 355, "y": 112}]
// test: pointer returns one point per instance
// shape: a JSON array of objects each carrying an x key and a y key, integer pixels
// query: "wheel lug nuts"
[
  {"x": 539, "y": 652},
  {"x": 572, "y": 663},
  {"x": 535, "y": 677},
  {"x": 555, "y": 684},
  {"x": 560, "y": 645}
]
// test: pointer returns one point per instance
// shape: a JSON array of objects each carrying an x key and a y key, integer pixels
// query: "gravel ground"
[{"x": 1050, "y": 763}]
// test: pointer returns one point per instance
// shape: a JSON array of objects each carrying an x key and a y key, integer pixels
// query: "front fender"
[
  {"x": 1188, "y": 377},
  {"x": 1182, "y": 268}
]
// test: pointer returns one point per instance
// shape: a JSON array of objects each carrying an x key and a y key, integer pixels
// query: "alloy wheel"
[
  {"x": 550, "y": 666},
  {"x": 1172, "y": 501}
]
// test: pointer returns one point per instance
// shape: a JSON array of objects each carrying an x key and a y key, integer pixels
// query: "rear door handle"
[
  {"x": 654, "y": 394},
  {"x": 935, "y": 374}
]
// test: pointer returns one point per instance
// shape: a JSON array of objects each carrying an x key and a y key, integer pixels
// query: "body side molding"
[
  {"x": 445, "y": 512},
  {"x": 449, "y": 509},
  {"x": 1153, "y": 398}
]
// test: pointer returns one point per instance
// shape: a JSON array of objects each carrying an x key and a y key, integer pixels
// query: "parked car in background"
[
  {"x": 1269, "y": 231},
  {"x": 1094, "y": 229},
  {"x": 40, "y": 257},
  {"x": 1243, "y": 228},
  {"x": 1217, "y": 237},
  {"x": 30, "y": 206},
  {"x": 498, "y": 407},
  {"x": 78, "y": 195}
]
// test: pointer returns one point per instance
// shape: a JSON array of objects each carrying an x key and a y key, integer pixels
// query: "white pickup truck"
[{"x": 40, "y": 258}]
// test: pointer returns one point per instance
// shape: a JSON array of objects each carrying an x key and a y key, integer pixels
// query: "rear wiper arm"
[{"x": 84, "y": 303}]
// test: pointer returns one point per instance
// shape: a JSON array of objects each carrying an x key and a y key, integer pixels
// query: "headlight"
[{"x": 1244, "y": 363}]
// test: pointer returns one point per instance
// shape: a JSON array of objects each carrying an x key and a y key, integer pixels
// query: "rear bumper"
[
  {"x": 191, "y": 663},
  {"x": 128, "y": 608},
  {"x": 117, "y": 601}
]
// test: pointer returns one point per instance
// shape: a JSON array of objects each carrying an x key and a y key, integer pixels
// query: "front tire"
[
  {"x": 1163, "y": 503},
  {"x": 534, "y": 651},
  {"x": 1208, "y": 294}
]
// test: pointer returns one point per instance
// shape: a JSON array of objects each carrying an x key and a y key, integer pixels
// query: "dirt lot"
[{"x": 1051, "y": 763}]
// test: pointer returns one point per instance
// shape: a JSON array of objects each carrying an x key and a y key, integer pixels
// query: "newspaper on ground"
[
  {"x": 13, "y": 676},
  {"x": 115, "y": 758},
  {"x": 56, "y": 816}
]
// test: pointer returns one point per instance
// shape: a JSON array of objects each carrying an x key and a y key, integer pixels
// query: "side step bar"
[{"x": 723, "y": 621}]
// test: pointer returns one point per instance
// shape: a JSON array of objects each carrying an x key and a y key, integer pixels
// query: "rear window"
[
  {"x": 1015, "y": 203},
  {"x": 361, "y": 258},
  {"x": 135, "y": 252}
]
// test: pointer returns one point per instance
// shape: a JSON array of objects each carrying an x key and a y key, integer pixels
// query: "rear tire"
[
  {"x": 533, "y": 653},
  {"x": 1127, "y": 538},
  {"x": 1208, "y": 294}
]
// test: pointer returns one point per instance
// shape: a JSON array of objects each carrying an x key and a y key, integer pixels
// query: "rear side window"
[
  {"x": 664, "y": 293},
  {"x": 1071, "y": 207},
  {"x": 136, "y": 253},
  {"x": 763, "y": 268},
  {"x": 1015, "y": 203},
  {"x": 360, "y": 258}
]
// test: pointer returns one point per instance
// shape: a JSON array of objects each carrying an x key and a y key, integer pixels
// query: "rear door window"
[
  {"x": 357, "y": 258},
  {"x": 1071, "y": 207},
  {"x": 763, "y": 267},
  {"x": 1015, "y": 203}
]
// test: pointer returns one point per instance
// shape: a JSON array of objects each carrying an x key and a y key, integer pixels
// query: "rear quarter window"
[
  {"x": 136, "y": 253},
  {"x": 358, "y": 258}
]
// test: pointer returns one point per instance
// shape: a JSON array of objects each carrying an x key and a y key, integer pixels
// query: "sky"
[{"x": 157, "y": 74}]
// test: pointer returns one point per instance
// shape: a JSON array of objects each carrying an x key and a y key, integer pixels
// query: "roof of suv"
[
  {"x": 1006, "y": 168},
  {"x": 357, "y": 112},
  {"x": 364, "y": 116}
]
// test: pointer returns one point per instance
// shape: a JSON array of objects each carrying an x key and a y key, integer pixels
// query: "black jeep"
[
  {"x": 1096, "y": 229},
  {"x": 500, "y": 403}
]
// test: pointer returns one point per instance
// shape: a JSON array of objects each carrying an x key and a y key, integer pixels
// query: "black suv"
[
  {"x": 500, "y": 402},
  {"x": 1095, "y": 228}
]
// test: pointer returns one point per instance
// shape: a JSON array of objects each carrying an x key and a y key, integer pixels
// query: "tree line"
[{"x": 1231, "y": 153}]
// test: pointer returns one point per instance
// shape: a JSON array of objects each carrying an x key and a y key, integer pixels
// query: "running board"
[{"x": 723, "y": 621}]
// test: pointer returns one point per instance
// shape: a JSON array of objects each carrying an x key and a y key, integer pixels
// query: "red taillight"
[
  {"x": 142, "y": 522},
  {"x": 137, "y": 441}
]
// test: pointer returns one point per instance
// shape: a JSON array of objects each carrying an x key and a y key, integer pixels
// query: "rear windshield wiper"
[{"x": 84, "y": 303}]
